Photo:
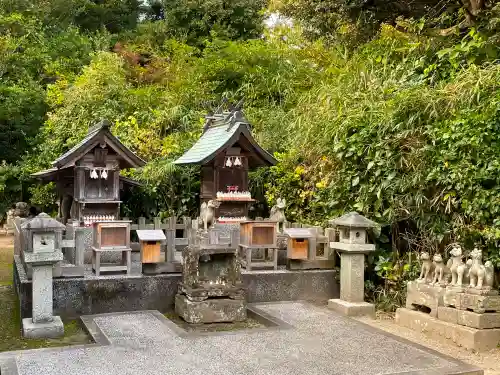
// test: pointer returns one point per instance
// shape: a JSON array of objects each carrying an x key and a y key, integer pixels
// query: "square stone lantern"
[
  {"x": 352, "y": 247},
  {"x": 43, "y": 250}
]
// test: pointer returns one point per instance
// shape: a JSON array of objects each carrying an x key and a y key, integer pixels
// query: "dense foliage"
[{"x": 388, "y": 108}]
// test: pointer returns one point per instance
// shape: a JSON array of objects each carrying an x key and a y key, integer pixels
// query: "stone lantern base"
[
  {"x": 352, "y": 308},
  {"x": 43, "y": 330}
]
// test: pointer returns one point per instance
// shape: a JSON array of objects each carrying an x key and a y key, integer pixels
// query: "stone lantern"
[
  {"x": 352, "y": 247},
  {"x": 43, "y": 250}
]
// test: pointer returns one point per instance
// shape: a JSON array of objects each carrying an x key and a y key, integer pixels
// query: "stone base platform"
[
  {"x": 469, "y": 318},
  {"x": 295, "y": 264},
  {"x": 470, "y": 338},
  {"x": 46, "y": 330},
  {"x": 421, "y": 294},
  {"x": 218, "y": 310},
  {"x": 475, "y": 302},
  {"x": 352, "y": 308},
  {"x": 109, "y": 293}
]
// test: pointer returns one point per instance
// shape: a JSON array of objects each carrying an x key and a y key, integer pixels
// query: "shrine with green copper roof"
[{"x": 226, "y": 151}]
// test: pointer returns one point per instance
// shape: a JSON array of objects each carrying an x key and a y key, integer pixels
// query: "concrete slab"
[
  {"x": 319, "y": 342},
  {"x": 470, "y": 338}
]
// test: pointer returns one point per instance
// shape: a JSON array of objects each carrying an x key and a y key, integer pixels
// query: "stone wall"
[{"x": 78, "y": 296}]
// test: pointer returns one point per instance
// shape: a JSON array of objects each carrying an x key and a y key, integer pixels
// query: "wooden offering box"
[
  {"x": 308, "y": 248},
  {"x": 258, "y": 234},
  {"x": 150, "y": 242},
  {"x": 111, "y": 236},
  {"x": 255, "y": 237},
  {"x": 298, "y": 243}
]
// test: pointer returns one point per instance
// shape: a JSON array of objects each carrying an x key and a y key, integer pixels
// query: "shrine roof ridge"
[
  {"x": 221, "y": 131},
  {"x": 98, "y": 133}
]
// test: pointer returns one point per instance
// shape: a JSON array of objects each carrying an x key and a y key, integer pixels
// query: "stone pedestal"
[
  {"x": 469, "y": 318},
  {"x": 43, "y": 251},
  {"x": 211, "y": 310},
  {"x": 444, "y": 331},
  {"x": 352, "y": 289},
  {"x": 43, "y": 330},
  {"x": 352, "y": 308},
  {"x": 352, "y": 247},
  {"x": 421, "y": 294},
  {"x": 43, "y": 324},
  {"x": 42, "y": 293}
]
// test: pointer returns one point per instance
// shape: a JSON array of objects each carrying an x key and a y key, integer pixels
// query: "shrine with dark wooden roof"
[{"x": 87, "y": 176}]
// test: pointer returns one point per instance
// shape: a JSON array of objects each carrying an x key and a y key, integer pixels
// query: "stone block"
[
  {"x": 352, "y": 308},
  {"x": 42, "y": 293},
  {"x": 211, "y": 310},
  {"x": 478, "y": 303},
  {"x": 430, "y": 296},
  {"x": 469, "y": 318},
  {"x": 450, "y": 296},
  {"x": 352, "y": 269},
  {"x": 470, "y": 338},
  {"x": 43, "y": 330}
]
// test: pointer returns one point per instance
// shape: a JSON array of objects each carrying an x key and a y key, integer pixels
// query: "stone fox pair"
[
  {"x": 435, "y": 270},
  {"x": 473, "y": 272}
]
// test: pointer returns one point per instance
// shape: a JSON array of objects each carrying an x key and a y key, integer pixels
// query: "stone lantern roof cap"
[
  {"x": 43, "y": 222},
  {"x": 353, "y": 220}
]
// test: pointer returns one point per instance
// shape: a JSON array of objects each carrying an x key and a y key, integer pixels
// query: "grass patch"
[
  {"x": 10, "y": 318},
  {"x": 11, "y": 332},
  {"x": 6, "y": 257},
  {"x": 213, "y": 327}
]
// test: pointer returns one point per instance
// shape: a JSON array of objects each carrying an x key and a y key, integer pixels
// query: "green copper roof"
[{"x": 221, "y": 132}]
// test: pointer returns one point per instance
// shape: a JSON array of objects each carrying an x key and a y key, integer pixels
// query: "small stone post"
[
  {"x": 43, "y": 235},
  {"x": 352, "y": 248}
]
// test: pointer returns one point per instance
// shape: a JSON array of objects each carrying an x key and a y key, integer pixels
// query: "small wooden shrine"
[
  {"x": 87, "y": 177},
  {"x": 226, "y": 152}
]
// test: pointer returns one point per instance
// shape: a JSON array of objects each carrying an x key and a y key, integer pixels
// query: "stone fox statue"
[
  {"x": 207, "y": 214},
  {"x": 427, "y": 267},
  {"x": 278, "y": 213}
]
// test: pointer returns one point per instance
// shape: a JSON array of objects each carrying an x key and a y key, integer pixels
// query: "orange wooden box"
[
  {"x": 150, "y": 243},
  {"x": 298, "y": 243}
]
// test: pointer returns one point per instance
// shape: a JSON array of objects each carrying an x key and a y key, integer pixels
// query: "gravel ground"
[{"x": 488, "y": 361}]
